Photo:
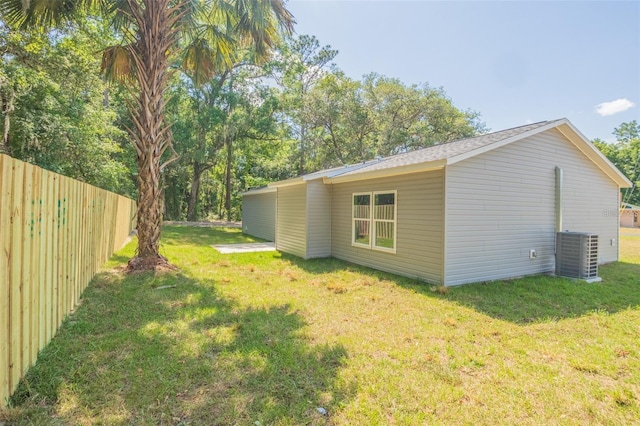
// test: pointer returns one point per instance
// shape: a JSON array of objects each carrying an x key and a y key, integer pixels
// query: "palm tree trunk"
[
  {"x": 151, "y": 136},
  {"x": 149, "y": 205}
]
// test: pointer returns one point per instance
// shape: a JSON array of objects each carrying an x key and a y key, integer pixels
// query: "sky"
[{"x": 514, "y": 62}]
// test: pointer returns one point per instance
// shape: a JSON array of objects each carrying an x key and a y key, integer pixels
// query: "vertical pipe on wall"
[{"x": 559, "y": 179}]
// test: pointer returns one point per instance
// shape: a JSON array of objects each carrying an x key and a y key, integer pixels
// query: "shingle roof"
[
  {"x": 447, "y": 150},
  {"x": 438, "y": 156},
  {"x": 338, "y": 171},
  {"x": 326, "y": 173}
]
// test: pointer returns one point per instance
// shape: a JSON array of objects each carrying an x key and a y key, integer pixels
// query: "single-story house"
[
  {"x": 477, "y": 209},
  {"x": 629, "y": 215}
]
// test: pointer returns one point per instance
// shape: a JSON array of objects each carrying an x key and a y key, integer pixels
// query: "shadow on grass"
[
  {"x": 521, "y": 301},
  {"x": 137, "y": 353},
  {"x": 545, "y": 298},
  {"x": 119, "y": 258}
]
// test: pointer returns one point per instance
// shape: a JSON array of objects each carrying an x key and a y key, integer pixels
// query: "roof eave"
[
  {"x": 264, "y": 190},
  {"x": 495, "y": 145},
  {"x": 598, "y": 158},
  {"x": 393, "y": 171},
  {"x": 289, "y": 182},
  {"x": 565, "y": 127}
]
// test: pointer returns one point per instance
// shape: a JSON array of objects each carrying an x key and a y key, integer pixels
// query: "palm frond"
[
  {"x": 46, "y": 13},
  {"x": 120, "y": 11},
  {"x": 259, "y": 22},
  {"x": 187, "y": 12},
  {"x": 118, "y": 63},
  {"x": 203, "y": 60}
]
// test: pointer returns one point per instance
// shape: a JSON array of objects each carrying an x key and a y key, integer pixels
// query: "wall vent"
[{"x": 577, "y": 255}]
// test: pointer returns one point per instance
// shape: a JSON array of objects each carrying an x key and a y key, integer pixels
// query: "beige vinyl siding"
[
  {"x": 419, "y": 248},
  {"x": 318, "y": 219},
  {"x": 501, "y": 204},
  {"x": 259, "y": 215},
  {"x": 291, "y": 221}
]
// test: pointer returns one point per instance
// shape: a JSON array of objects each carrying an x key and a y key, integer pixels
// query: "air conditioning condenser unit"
[{"x": 577, "y": 255}]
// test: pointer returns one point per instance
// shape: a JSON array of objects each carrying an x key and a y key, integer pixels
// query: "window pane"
[
  {"x": 361, "y": 206},
  {"x": 361, "y": 232},
  {"x": 384, "y": 234},
  {"x": 384, "y": 206}
]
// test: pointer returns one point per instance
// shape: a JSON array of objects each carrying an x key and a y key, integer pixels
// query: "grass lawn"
[{"x": 267, "y": 338}]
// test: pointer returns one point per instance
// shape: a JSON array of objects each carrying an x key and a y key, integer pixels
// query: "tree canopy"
[
  {"x": 625, "y": 154},
  {"x": 233, "y": 109},
  {"x": 157, "y": 37}
]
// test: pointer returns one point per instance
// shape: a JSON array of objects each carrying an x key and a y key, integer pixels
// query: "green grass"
[{"x": 266, "y": 338}]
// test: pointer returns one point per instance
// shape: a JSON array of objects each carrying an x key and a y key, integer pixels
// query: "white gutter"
[
  {"x": 263, "y": 190},
  {"x": 391, "y": 171}
]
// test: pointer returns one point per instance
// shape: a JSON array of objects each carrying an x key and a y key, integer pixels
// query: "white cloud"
[{"x": 614, "y": 107}]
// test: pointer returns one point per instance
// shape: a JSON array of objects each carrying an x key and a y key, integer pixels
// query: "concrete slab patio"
[{"x": 244, "y": 248}]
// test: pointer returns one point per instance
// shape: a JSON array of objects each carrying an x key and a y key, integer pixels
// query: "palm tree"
[{"x": 199, "y": 35}]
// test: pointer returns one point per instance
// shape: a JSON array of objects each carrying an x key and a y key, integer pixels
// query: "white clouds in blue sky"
[{"x": 609, "y": 108}]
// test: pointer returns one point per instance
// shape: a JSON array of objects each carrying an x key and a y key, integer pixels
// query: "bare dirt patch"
[{"x": 149, "y": 263}]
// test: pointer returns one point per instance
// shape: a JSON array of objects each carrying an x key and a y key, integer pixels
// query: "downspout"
[
  {"x": 559, "y": 179},
  {"x": 444, "y": 226}
]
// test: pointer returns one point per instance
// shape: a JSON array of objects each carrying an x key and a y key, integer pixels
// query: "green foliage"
[
  {"x": 236, "y": 122},
  {"x": 57, "y": 118},
  {"x": 226, "y": 126},
  {"x": 352, "y": 121},
  {"x": 625, "y": 154}
]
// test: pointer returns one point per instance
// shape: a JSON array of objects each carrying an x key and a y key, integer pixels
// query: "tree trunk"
[
  {"x": 8, "y": 107},
  {"x": 303, "y": 150},
  {"x": 149, "y": 206},
  {"x": 192, "y": 206},
  {"x": 151, "y": 136},
  {"x": 227, "y": 178}
]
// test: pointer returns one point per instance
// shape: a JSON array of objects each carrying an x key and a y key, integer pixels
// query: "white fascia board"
[
  {"x": 257, "y": 191},
  {"x": 594, "y": 154},
  {"x": 289, "y": 182},
  {"x": 490, "y": 147},
  {"x": 392, "y": 171}
]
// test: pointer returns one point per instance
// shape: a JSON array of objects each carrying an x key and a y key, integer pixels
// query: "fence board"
[
  {"x": 25, "y": 303},
  {"x": 5, "y": 276},
  {"x": 15, "y": 282},
  {"x": 55, "y": 233},
  {"x": 34, "y": 244}
]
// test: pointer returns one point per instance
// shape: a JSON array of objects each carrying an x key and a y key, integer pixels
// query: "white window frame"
[
  {"x": 373, "y": 221},
  {"x": 354, "y": 219}
]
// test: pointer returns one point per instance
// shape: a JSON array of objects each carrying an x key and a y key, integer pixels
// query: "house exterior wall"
[
  {"x": 291, "y": 221},
  {"x": 259, "y": 215},
  {"x": 419, "y": 245},
  {"x": 501, "y": 204},
  {"x": 318, "y": 219}
]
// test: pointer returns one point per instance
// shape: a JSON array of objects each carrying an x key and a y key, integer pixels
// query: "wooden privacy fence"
[{"x": 55, "y": 232}]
